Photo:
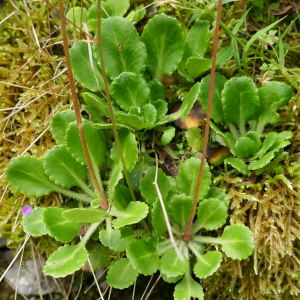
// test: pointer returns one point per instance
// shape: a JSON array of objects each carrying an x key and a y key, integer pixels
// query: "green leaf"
[
  {"x": 164, "y": 41},
  {"x": 74, "y": 15},
  {"x": 148, "y": 189},
  {"x": 161, "y": 108},
  {"x": 188, "y": 288},
  {"x": 58, "y": 227},
  {"x": 186, "y": 106},
  {"x": 224, "y": 56},
  {"x": 170, "y": 279},
  {"x": 262, "y": 162},
  {"x": 96, "y": 103},
  {"x": 158, "y": 218},
  {"x": 33, "y": 225},
  {"x": 143, "y": 256},
  {"x": 208, "y": 264},
  {"x": 226, "y": 138},
  {"x": 240, "y": 101},
  {"x": 212, "y": 214},
  {"x": 171, "y": 265},
  {"x": 88, "y": 76},
  {"x": 134, "y": 212},
  {"x": 217, "y": 112},
  {"x": 66, "y": 260},
  {"x": 109, "y": 237},
  {"x": 272, "y": 96},
  {"x": 150, "y": 114},
  {"x": 59, "y": 123},
  {"x": 197, "y": 65},
  {"x": 84, "y": 215},
  {"x": 135, "y": 122},
  {"x": 63, "y": 169},
  {"x": 127, "y": 236},
  {"x": 98, "y": 256},
  {"x": 244, "y": 147},
  {"x": 122, "y": 274},
  {"x": 279, "y": 144},
  {"x": 194, "y": 139},
  {"x": 237, "y": 164},
  {"x": 181, "y": 207},
  {"x": 119, "y": 7},
  {"x": 217, "y": 193},
  {"x": 123, "y": 50},
  {"x": 122, "y": 197},
  {"x": 129, "y": 149},
  {"x": 26, "y": 174},
  {"x": 115, "y": 177},
  {"x": 255, "y": 137},
  {"x": 130, "y": 90},
  {"x": 137, "y": 14},
  {"x": 198, "y": 38},
  {"x": 157, "y": 90},
  {"x": 188, "y": 176},
  {"x": 92, "y": 15},
  {"x": 95, "y": 143},
  {"x": 268, "y": 142},
  {"x": 168, "y": 134}
]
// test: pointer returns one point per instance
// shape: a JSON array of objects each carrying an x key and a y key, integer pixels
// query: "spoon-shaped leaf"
[
  {"x": 168, "y": 134},
  {"x": 237, "y": 164},
  {"x": 150, "y": 114},
  {"x": 123, "y": 50},
  {"x": 127, "y": 236},
  {"x": 119, "y": 8},
  {"x": 109, "y": 237},
  {"x": 33, "y": 225},
  {"x": 208, "y": 264},
  {"x": 143, "y": 256},
  {"x": 122, "y": 197},
  {"x": 85, "y": 215},
  {"x": 171, "y": 265},
  {"x": 164, "y": 41},
  {"x": 158, "y": 218},
  {"x": 262, "y": 162},
  {"x": 196, "y": 65},
  {"x": 157, "y": 90},
  {"x": 161, "y": 108},
  {"x": 66, "y": 260}
]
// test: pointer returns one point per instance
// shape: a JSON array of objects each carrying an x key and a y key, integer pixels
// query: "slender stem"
[
  {"x": 103, "y": 202},
  {"x": 86, "y": 188},
  {"x": 187, "y": 234},
  {"x": 89, "y": 233},
  {"x": 233, "y": 130},
  {"x": 206, "y": 239},
  {"x": 196, "y": 228},
  {"x": 165, "y": 249},
  {"x": 177, "y": 232},
  {"x": 194, "y": 250},
  {"x": 110, "y": 108},
  {"x": 73, "y": 195}
]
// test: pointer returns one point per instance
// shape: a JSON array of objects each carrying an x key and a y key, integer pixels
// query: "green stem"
[
  {"x": 207, "y": 240},
  {"x": 89, "y": 233},
  {"x": 86, "y": 188},
  {"x": 110, "y": 108},
  {"x": 164, "y": 243},
  {"x": 197, "y": 228},
  {"x": 177, "y": 232},
  {"x": 194, "y": 250},
  {"x": 73, "y": 195},
  {"x": 165, "y": 249},
  {"x": 233, "y": 131}
]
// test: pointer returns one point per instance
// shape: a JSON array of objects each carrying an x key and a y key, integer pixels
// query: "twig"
[
  {"x": 36, "y": 270},
  {"x": 103, "y": 201},
  {"x": 187, "y": 234}
]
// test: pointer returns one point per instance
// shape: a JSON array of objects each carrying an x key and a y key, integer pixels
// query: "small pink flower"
[{"x": 26, "y": 210}]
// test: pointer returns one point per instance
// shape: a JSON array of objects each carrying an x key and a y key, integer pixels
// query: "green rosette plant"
[{"x": 242, "y": 111}]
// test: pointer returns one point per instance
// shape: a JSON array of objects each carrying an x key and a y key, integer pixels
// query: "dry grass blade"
[{"x": 157, "y": 280}]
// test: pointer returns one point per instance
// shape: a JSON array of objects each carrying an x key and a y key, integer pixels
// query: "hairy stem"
[
  {"x": 103, "y": 201},
  {"x": 89, "y": 232},
  {"x": 187, "y": 234},
  {"x": 110, "y": 108}
]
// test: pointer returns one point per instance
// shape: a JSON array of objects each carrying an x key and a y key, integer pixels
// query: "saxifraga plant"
[{"x": 65, "y": 167}]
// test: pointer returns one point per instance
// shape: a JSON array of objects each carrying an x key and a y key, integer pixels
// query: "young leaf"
[
  {"x": 171, "y": 265},
  {"x": 164, "y": 41},
  {"x": 262, "y": 162},
  {"x": 137, "y": 14},
  {"x": 66, "y": 260},
  {"x": 188, "y": 288},
  {"x": 196, "y": 65},
  {"x": 98, "y": 256},
  {"x": 123, "y": 50},
  {"x": 237, "y": 241},
  {"x": 95, "y": 143},
  {"x": 132, "y": 121},
  {"x": 170, "y": 279},
  {"x": 157, "y": 90},
  {"x": 268, "y": 142},
  {"x": 88, "y": 76},
  {"x": 119, "y": 8},
  {"x": 217, "y": 112},
  {"x": 212, "y": 214},
  {"x": 84, "y": 215},
  {"x": 59, "y": 123},
  {"x": 127, "y": 236},
  {"x": 92, "y": 15},
  {"x": 240, "y": 101},
  {"x": 115, "y": 177},
  {"x": 130, "y": 90},
  {"x": 237, "y": 164},
  {"x": 148, "y": 189},
  {"x": 122, "y": 197},
  {"x": 96, "y": 104},
  {"x": 143, "y": 256},
  {"x": 224, "y": 56},
  {"x": 109, "y": 237},
  {"x": 129, "y": 149},
  {"x": 188, "y": 176},
  {"x": 63, "y": 169},
  {"x": 135, "y": 212},
  {"x": 208, "y": 264},
  {"x": 244, "y": 147},
  {"x": 194, "y": 139},
  {"x": 26, "y": 174},
  {"x": 122, "y": 274},
  {"x": 58, "y": 227},
  {"x": 169, "y": 133},
  {"x": 33, "y": 225},
  {"x": 217, "y": 193},
  {"x": 272, "y": 96},
  {"x": 181, "y": 207},
  {"x": 150, "y": 114},
  {"x": 158, "y": 218},
  {"x": 226, "y": 138},
  {"x": 255, "y": 137}
]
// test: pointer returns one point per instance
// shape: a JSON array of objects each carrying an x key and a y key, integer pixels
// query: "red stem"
[{"x": 187, "y": 234}]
